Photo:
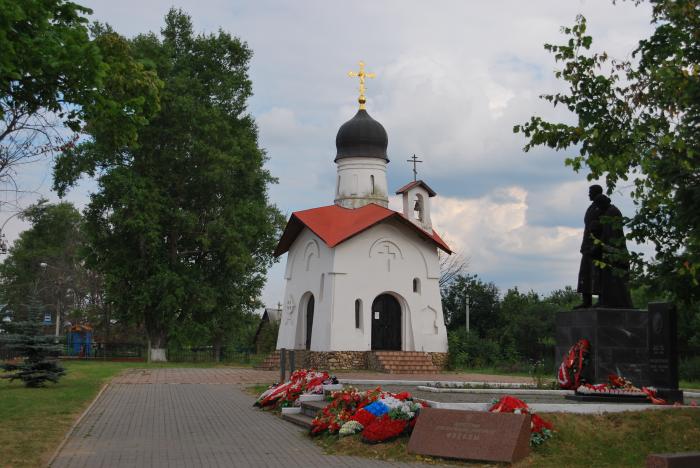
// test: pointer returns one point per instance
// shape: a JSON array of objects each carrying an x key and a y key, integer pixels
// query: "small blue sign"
[{"x": 47, "y": 318}]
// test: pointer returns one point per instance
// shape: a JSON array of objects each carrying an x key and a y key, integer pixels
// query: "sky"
[{"x": 453, "y": 78}]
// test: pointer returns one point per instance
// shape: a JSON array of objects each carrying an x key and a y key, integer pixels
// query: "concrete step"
[
  {"x": 400, "y": 353},
  {"x": 415, "y": 368},
  {"x": 311, "y": 408},
  {"x": 301, "y": 419},
  {"x": 405, "y": 359}
]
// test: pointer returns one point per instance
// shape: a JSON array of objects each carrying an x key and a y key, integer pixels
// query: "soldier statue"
[
  {"x": 587, "y": 280},
  {"x": 604, "y": 269}
]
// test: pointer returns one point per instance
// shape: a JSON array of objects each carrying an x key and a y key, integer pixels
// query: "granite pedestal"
[{"x": 639, "y": 345}]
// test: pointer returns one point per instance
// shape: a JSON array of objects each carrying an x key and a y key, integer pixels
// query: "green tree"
[
  {"x": 638, "y": 120},
  {"x": 53, "y": 76},
  {"x": 529, "y": 325},
  {"x": 181, "y": 226},
  {"x": 39, "y": 353},
  {"x": 47, "y": 261},
  {"x": 484, "y": 307}
]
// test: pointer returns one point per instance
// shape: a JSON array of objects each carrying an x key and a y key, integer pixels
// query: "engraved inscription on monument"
[
  {"x": 663, "y": 357},
  {"x": 465, "y": 431},
  {"x": 471, "y": 435}
]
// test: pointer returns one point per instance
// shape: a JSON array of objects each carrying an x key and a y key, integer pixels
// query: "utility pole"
[{"x": 466, "y": 309}]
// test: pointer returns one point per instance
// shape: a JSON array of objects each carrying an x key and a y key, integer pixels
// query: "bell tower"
[{"x": 416, "y": 203}]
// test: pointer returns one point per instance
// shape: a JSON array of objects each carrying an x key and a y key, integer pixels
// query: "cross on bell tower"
[{"x": 415, "y": 161}]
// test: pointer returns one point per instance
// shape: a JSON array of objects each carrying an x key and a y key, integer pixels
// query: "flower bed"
[
  {"x": 540, "y": 430},
  {"x": 378, "y": 416},
  {"x": 302, "y": 381}
]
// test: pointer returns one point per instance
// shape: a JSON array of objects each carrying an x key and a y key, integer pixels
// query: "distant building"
[{"x": 269, "y": 317}]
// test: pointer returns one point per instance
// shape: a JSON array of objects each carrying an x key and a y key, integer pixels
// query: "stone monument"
[{"x": 639, "y": 345}]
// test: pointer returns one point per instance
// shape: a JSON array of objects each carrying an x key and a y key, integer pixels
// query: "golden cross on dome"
[{"x": 362, "y": 75}]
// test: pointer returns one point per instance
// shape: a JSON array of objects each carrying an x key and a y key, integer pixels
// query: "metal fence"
[
  {"x": 106, "y": 351},
  {"x": 7, "y": 354},
  {"x": 138, "y": 352},
  {"x": 209, "y": 354}
]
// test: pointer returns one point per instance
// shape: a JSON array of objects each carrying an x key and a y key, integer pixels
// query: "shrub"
[
  {"x": 689, "y": 369},
  {"x": 470, "y": 350}
]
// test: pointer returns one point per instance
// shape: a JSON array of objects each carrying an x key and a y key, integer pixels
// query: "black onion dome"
[{"x": 361, "y": 136}]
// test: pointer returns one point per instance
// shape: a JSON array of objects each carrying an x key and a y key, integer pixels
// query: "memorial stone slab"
[
  {"x": 674, "y": 460},
  {"x": 663, "y": 357},
  {"x": 471, "y": 435},
  {"x": 663, "y": 353}
]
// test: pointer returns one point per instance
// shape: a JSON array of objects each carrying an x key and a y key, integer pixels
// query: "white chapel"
[{"x": 359, "y": 276}]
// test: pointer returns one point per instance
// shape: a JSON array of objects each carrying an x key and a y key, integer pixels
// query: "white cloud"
[
  {"x": 453, "y": 77},
  {"x": 493, "y": 232}
]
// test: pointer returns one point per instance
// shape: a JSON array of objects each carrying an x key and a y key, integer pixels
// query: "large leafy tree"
[
  {"x": 54, "y": 76},
  {"x": 181, "y": 226},
  {"x": 46, "y": 262},
  {"x": 639, "y": 120}
]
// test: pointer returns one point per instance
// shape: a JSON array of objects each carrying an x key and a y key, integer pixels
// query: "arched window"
[
  {"x": 337, "y": 187},
  {"x": 323, "y": 281},
  {"x": 371, "y": 179},
  {"x": 358, "y": 313},
  {"x": 416, "y": 285}
]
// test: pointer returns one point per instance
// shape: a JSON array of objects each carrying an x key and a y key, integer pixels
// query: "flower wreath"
[
  {"x": 571, "y": 368},
  {"x": 286, "y": 394}
]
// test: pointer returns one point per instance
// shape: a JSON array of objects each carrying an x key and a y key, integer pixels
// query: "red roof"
[
  {"x": 335, "y": 224},
  {"x": 410, "y": 185}
]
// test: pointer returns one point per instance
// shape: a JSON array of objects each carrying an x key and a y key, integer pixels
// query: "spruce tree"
[{"x": 39, "y": 352}]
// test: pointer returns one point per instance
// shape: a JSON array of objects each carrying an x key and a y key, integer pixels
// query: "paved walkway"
[
  {"x": 213, "y": 376},
  {"x": 150, "y": 419},
  {"x": 233, "y": 375},
  {"x": 441, "y": 377}
]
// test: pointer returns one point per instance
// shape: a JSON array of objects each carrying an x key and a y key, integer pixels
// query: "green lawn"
[
  {"x": 35, "y": 420},
  {"x": 690, "y": 385}
]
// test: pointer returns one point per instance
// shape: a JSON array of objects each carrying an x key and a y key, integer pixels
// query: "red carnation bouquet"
[
  {"x": 379, "y": 416},
  {"x": 383, "y": 429},
  {"x": 540, "y": 430},
  {"x": 343, "y": 405}
]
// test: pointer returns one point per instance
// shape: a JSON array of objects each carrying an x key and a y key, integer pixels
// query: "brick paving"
[
  {"x": 440, "y": 377},
  {"x": 150, "y": 419},
  {"x": 234, "y": 375},
  {"x": 214, "y": 375}
]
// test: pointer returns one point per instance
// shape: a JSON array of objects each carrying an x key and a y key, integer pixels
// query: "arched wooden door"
[
  {"x": 386, "y": 323},
  {"x": 309, "y": 320}
]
